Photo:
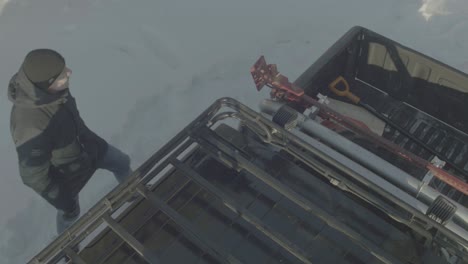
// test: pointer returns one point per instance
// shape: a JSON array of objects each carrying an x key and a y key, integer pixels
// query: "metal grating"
[
  {"x": 211, "y": 203},
  {"x": 441, "y": 210}
]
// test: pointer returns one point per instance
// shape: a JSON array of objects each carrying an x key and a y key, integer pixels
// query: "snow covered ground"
[{"x": 142, "y": 69}]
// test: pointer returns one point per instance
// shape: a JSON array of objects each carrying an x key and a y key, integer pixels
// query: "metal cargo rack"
[{"x": 203, "y": 199}]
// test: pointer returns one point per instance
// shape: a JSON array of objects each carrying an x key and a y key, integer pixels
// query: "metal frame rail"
[{"x": 208, "y": 141}]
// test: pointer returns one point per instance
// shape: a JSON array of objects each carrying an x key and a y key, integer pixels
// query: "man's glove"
[{"x": 59, "y": 197}]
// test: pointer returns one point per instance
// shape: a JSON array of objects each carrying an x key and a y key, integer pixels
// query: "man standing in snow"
[{"x": 57, "y": 152}]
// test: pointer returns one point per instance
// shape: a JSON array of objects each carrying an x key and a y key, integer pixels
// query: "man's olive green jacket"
[{"x": 57, "y": 153}]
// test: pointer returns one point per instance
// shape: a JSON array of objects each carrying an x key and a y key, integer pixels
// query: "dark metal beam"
[
  {"x": 188, "y": 229},
  {"x": 147, "y": 218},
  {"x": 152, "y": 173},
  {"x": 255, "y": 223},
  {"x": 75, "y": 258},
  {"x": 147, "y": 254}
]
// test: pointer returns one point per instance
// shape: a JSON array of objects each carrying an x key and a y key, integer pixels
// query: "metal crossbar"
[
  {"x": 174, "y": 194},
  {"x": 188, "y": 229},
  {"x": 75, "y": 258},
  {"x": 147, "y": 254},
  {"x": 169, "y": 222},
  {"x": 245, "y": 214}
]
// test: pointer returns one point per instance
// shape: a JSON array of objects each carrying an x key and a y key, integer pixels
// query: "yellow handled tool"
[{"x": 346, "y": 93}]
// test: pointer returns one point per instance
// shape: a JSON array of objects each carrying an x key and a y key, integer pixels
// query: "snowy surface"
[
  {"x": 430, "y": 8},
  {"x": 143, "y": 69}
]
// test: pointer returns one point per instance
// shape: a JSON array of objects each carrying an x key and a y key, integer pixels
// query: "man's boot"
[{"x": 66, "y": 219}]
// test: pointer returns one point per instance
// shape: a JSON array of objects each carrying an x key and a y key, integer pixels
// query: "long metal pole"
[{"x": 370, "y": 160}]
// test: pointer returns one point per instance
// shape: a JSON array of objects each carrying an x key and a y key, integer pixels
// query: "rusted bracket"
[{"x": 267, "y": 74}]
